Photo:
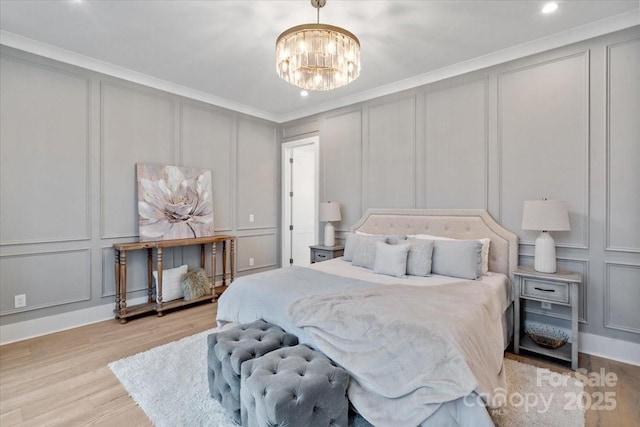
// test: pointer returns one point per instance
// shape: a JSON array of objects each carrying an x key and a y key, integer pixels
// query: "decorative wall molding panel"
[
  {"x": 623, "y": 147},
  {"x": 45, "y": 117},
  {"x": 136, "y": 127},
  {"x": 540, "y": 154},
  {"x": 48, "y": 279},
  {"x": 622, "y": 293}
]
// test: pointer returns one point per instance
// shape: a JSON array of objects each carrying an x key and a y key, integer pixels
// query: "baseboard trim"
[
  {"x": 20, "y": 331},
  {"x": 610, "y": 348},
  {"x": 596, "y": 345}
]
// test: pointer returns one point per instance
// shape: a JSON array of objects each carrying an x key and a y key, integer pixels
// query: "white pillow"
[
  {"x": 171, "y": 283},
  {"x": 485, "y": 247},
  {"x": 391, "y": 259}
]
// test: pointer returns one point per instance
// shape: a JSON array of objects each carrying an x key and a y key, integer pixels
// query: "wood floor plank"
[{"x": 63, "y": 379}]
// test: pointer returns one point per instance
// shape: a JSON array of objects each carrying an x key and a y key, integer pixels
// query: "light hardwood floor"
[{"x": 62, "y": 379}]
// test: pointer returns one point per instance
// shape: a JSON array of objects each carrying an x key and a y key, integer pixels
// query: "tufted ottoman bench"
[
  {"x": 227, "y": 350},
  {"x": 293, "y": 386}
]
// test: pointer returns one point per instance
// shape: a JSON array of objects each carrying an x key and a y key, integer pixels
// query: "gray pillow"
[
  {"x": 350, "y": 246},
  {"x": 457, "y": 258},
  {"x": 365, "y": 253},
  {"x": 419, "y": 258},
  {"x": 391, "y": 259}
]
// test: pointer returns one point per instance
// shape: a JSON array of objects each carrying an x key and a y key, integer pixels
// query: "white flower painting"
[{"x": 174, "y": 202}]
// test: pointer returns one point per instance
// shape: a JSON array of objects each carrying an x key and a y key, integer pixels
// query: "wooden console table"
[{"x": 122, "y": 312}]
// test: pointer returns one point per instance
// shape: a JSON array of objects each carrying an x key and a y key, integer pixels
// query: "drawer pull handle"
[
  {"x": 545, "y": 290},
  {"x": 321, "y": 256}
]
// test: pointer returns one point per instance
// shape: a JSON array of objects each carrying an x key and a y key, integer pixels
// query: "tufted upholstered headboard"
[{"x": 454, "y": 223}]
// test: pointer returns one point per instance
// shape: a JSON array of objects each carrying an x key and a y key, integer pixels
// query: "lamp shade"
[
  {"x": 329, "y": 211},
  {"x": 545, "y": 215}
]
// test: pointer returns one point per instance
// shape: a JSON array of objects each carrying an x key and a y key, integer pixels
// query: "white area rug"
[{"x": 170, "y": 384}]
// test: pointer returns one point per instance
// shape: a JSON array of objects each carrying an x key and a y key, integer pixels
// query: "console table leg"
[
  {"x": 149, "y": 275},
  {"x": 116, "y": 254},
  {"x": 123, "y": 283},
  {"x": 224, "y": 263},
  {"x": 233, "y": 258},
  {"x": 159, "y": 283},
  {"x": 213, "y": 269}
]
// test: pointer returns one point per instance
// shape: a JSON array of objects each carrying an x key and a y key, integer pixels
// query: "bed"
[{"x": 420, "y": 350}]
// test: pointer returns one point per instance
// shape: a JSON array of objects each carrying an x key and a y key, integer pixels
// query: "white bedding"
[{"x": 339, "y": 267}]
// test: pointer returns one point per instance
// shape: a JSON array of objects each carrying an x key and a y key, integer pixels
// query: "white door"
[{"x": 300, "y": 201}]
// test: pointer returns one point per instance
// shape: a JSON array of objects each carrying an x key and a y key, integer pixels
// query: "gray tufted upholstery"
[
  {"x": 227, "y": 351},
  {"x": 293, "y": 386}
]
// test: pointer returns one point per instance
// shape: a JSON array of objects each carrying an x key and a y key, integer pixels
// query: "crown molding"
[
  {"x": 574, "y": 35},
  {"x": 52, "y": 52}
]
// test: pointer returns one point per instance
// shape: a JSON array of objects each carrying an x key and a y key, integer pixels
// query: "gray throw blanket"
[{"x": 408, "y": 349}]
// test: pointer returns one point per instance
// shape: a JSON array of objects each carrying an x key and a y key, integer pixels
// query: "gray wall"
[
  {"x": 69, "y": 142},
  {"x": 562, "y": 124}
]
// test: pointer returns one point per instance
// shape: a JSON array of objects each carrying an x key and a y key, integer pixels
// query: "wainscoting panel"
[
  {"x": 391, "y": 155},
  {"x": 137, "y": 127},
  {"x": 207, "y": 142},
  {"x": 622, "y": 294},
  {"x": 44, "y": 161},
  {"x": 623, "y": 146},
  {"x": 257, "y": 175},
  {"x": 456, "y": 146},
  {"x": 341, "y": 164},
  {"x": 543, "y": 131},
  {"x": 261, "y": 247},
  {"x": 47, "y": 279}
]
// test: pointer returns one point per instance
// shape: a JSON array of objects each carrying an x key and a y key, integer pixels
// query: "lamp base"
[
  {"x": 329, "y": 235},
  {"x": 545, "y": 254}
]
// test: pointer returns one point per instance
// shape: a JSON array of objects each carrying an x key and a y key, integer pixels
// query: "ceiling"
[{"x": 222, "y": 52}]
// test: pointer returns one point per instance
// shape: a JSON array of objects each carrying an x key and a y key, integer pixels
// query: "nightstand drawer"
[
  {"x": 319, "y": 256},
  {"x": 547, "y": 291}
]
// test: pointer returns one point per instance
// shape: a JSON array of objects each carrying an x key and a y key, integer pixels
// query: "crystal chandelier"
[{"x": 318, "y": 56}]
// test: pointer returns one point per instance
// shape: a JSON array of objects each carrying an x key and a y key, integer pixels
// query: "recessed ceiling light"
[
  {"x": 550, "y": 7},
  {"x": 304, "y": 93}
]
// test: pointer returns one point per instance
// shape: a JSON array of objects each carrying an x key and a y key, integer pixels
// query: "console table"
[{"x": 123, "y": 311}]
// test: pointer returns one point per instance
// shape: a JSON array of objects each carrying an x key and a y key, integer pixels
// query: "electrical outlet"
[
  {"x": 545, "y": 305},
  {"x": 250, "y": 262},
  {"x": 251, "y": 218},
  {"x": 20, "y": 301}
]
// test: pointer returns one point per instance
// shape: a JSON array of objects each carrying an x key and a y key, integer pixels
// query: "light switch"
[
  {"x": 251, "y": 218},
  {"x": 250, "y": 262}
]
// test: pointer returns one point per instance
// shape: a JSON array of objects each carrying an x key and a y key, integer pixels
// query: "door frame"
[{"x": 287, "y": 147}]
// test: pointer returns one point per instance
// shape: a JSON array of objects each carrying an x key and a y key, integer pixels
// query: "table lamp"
[
  {"x": 545, "y": 215},
  {"x": 329, "y": 211}
]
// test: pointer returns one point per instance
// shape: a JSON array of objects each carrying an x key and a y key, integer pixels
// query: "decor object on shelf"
[
  {"x": 195, "y": 284},
  {"x": 545, "y": 215},
  {"x": 318, "y": 56},
  {"x": 546, "y": 336},
  {"x": 174, "y": 202},
  {"x": 329, "y": 211}
]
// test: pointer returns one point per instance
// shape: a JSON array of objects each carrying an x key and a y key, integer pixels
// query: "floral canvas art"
[{"x": 174, "y": 202}]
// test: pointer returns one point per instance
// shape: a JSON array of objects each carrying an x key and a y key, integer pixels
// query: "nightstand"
[
  {"x": 323, "y": 253},
  {"x": 556, "y": 288}
]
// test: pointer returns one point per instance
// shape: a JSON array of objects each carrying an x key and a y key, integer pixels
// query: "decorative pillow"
[
  {"x": 457, "y": 258},
  {"x": 171, "y": 280},
  {"x": 391, "y": 259},
  {"x": 365, "y": 253},
  {"x": 195, "y": 284},
  {"x": 486, "y": 242},
  {"x": 419, "y": 257},
  {"x": 350, "y": 246}
]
